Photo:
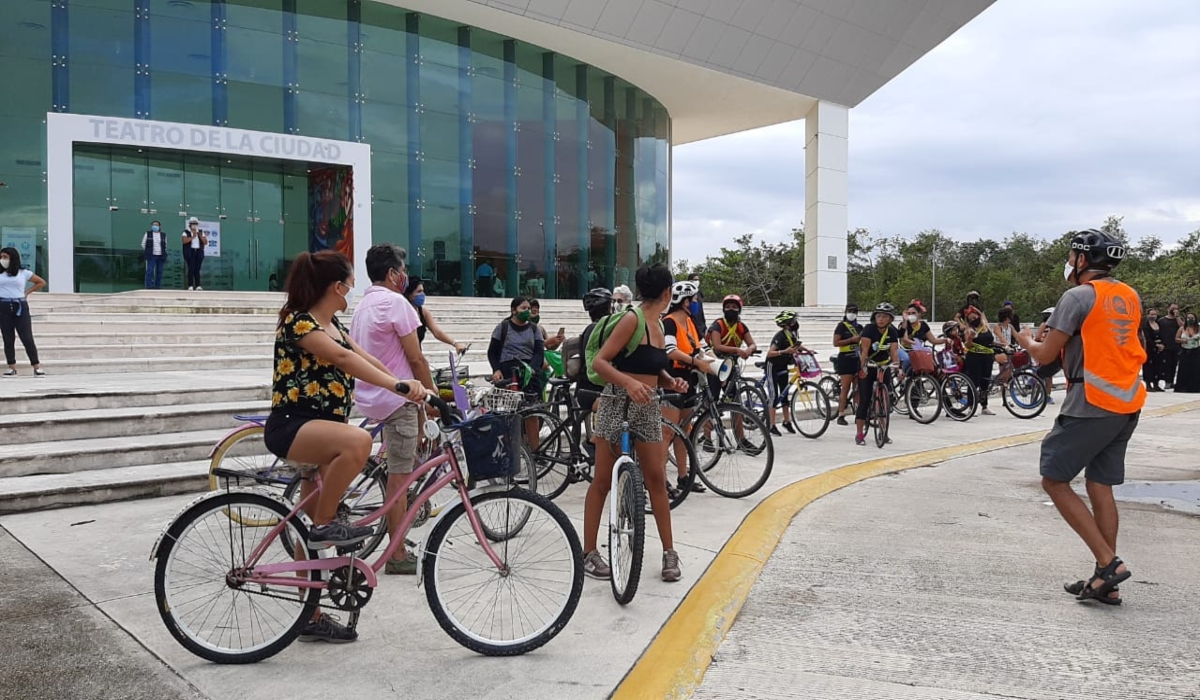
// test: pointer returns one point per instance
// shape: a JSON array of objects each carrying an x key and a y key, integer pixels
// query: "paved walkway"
[
  {"x": 947, "y": 583},
  {"x": 103, "y": 551}
]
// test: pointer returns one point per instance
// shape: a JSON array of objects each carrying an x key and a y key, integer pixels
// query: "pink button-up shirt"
[{"x": 382, "y": 318}]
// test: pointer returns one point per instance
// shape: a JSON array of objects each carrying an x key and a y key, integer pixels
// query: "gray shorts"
[
  {"x": 1095, "y": 444},
  {"x": 400, "y": 432}
]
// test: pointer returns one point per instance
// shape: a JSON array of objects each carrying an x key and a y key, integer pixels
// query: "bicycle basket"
[
  {"x": 808, "y": 366},
  {"x": 922, "y": 361},
  {"x": 501, "y": 400},
  {"x": 1020, "y": 358},
  {"x": 489, "y": 443},
  {"x": 442, "y": 376}
]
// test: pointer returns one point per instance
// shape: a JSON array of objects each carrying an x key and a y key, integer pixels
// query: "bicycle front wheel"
[
  {"x": 1025, "y": 395},
  {"x": 810, "y": 410},
  {"x": 881, "y": 413},
  {"x": 627, "y": 530},
  {"x": 959, "y": 398},
  {"x": 678, "y": 487},
  {"x": 923, "y": 398},
  {"x": 526, "y": 601},
  {"x": 204, "y": 607},
  {"x": 735, "y": 450},
  {"x": 514, "y": 519}
]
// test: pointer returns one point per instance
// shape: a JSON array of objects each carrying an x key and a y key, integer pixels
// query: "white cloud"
[{"x": 1038, "y": 117}]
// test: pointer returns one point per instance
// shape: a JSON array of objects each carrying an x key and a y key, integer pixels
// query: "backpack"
[
  {"x": 574, "y": 365},
  {"x": 600, "y": 334}
]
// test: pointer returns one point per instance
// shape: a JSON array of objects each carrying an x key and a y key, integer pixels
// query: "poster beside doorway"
[
  {"x": 212, "y": 231},
  {"x": 24, "y": 240}
]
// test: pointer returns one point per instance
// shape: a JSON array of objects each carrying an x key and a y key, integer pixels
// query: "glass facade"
[{"x": 488, "y": 154}]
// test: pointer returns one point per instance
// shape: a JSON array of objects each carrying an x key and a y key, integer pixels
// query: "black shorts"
[
  {"x": 1095, "y": 444},
  {"x": 281, "y": 430},
  {"x": 847, "y": 363}
]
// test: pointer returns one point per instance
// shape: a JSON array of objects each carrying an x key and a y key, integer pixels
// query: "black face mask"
[
  {"x": 975, "y": 322},
  {"x": 794, "y": 327},
  {"x": 731, "y": 315}
]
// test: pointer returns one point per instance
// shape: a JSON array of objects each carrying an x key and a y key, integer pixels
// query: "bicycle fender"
[
  {"x": 213, "y": 494},
  {"x": 446, "y": 508},
  {"x": 231, "y": 433}
]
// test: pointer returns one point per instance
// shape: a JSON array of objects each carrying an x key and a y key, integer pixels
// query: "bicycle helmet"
[
  {"x": 785, "y": 318},
  {"x": 732, "y": 297},
  {"x": 949, "y": 326},
  {"x": 1046, "y": 313},
  {"x": 682, "y": 290},
  {"x": 886, "y": 308},
  {"x": 598, "y": 298},
  {"x": 1102, "y": 251}
]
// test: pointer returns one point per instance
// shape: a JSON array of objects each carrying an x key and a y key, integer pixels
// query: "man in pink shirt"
[{"x": 385, "y": 325}]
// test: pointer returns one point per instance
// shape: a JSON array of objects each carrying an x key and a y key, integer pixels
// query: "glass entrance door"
[{"x": 269, "y": 245}]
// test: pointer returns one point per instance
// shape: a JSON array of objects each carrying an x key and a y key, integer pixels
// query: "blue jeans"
[
  {"x": 905, "y": 363},
  {"x": 154, "y": 268}
]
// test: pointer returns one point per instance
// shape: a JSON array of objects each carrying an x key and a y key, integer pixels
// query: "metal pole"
[{"x": 933, "y": 297}]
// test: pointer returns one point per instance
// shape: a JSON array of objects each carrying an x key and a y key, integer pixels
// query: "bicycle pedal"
[{"x": 350, "y": 548}]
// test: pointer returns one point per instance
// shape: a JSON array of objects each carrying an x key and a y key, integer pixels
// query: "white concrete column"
[{"x": 826, "y": 155}]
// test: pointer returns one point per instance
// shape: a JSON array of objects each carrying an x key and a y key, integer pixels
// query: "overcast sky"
[{"x": 1039, "y": 116}]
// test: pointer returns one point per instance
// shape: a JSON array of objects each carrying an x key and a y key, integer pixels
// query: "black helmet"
[
  {"x": 598, "y": 298},
  {"x": 1101, "y": 250},
  {"x": 886, "y": 308}
]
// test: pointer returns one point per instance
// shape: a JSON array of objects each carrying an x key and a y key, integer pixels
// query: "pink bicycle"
[{"x": 235, "y": 579}]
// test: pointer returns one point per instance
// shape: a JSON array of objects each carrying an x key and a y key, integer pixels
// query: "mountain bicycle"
[{"x": 229, "y": 591}]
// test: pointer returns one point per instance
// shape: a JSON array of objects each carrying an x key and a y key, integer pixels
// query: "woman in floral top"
[{"x": 316, "y": 364}]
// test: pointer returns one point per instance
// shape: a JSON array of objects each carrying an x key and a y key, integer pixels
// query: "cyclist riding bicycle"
[
  {"x": 878, "y": 347},
  {"x": 781, "y": 356}
]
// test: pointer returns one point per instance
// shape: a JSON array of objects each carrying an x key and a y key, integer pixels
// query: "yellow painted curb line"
[{"x": 678, "y": 657}]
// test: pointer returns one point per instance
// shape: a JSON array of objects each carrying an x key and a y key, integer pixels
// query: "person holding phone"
[
  {"x": 781, "y": 356},
  {"x": 194, "y": 243}
]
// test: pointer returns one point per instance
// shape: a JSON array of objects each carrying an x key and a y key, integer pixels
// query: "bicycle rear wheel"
[
  {"x": 524, "y": 603},
  {"x": 677, "y": 488},
  {"x": 737, "y": 452},
  {"x": 810, "y": 409},
  {"x": 958, "y": 397},
  {"x": 366, "y": 494},
  {"x": 923, "y": 398},
  {"x": 200, "y": 601},
  {"x": 627, "y": 530},
  {"x": 553, "y": 455},
  {"x": 881, "y": 414},
  {"x": 1025, "y": 395}
]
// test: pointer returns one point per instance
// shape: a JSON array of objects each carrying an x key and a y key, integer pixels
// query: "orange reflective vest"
[
  {"x": 685, "y": 340},
  {"x": 1112, "y": 353}
]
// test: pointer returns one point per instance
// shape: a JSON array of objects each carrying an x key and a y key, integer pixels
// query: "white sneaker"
[
  {"x": 199, "y": 289},
  {"x": 190, "y": 288}
]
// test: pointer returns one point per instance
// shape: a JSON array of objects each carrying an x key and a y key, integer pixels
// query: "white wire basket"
[{"x": 499, "y": 400}]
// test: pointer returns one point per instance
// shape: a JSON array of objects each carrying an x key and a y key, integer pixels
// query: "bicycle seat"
[{"x": 559, "y": 381}]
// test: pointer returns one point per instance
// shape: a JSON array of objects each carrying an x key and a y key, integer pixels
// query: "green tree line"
[{"x": 1022, "y": 268}]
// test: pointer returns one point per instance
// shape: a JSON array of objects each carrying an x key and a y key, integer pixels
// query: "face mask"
[
  {"x": 4, "y": 263},
  {"x": 154, "y": 228},
  {"x": 523, "y": 316},
  {"x": 694, "y": 307},
  {"x": 1068, "y": 268},
  {"x": 974, "y": 321},
  {"x": 1191, "y": 321},
  {"x": 534, "y": 318},
  {"x": 419, "y": 300},
  {"x": 794, "y": 327},
  {"x": 349, "y": 297},
  {"x": 911, "y": 318},
  {"x": 731, "y": 315},
  {"x": 851, "y": 317}
]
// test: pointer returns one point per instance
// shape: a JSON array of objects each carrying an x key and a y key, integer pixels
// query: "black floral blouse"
[{"x": 302, "y": 383}]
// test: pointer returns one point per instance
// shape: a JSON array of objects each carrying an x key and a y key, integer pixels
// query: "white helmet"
[{"x": 682, "y": 290}]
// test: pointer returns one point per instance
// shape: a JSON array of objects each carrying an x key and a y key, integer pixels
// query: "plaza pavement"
[{"x": 102, "y": 552}]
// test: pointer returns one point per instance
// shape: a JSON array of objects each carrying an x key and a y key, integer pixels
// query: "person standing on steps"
[
  {"x": 194, "y": 243},
  {"x": 16, "y": 285},
  {"x": 1095, "y": 329},
  {"x": 154, "y": 250},
  {"x": 385, "y": 326}
]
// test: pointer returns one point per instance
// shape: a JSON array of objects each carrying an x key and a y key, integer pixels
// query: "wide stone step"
[
  {"x": 124, "y": 422},
  {"x": 44, "y": 491},
  {"x": 214, "y": 363},
  {"x": 180, "y": 352},
  {"x": 197, "y": 336},
  {"x": 67, "y": 456},
  {"x": 86, "y": 398}
]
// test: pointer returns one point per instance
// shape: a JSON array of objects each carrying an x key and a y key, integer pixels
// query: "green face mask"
[
  {"x": 534, "y": 319},
  {"x": 523, "y": 316}
]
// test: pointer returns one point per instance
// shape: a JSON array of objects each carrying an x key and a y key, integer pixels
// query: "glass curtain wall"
[{"x": 502, "y": 167}]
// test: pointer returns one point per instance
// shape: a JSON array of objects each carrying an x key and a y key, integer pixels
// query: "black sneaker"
[
  {"x": 705, "y": 444},
  {"x": 698, "y": 487},
  {"x": 842, "y": 421},
  {"x": 326, "y": 628},
  {"x": 774, "y": 431},
  {"x": 337, "y": 534},
  {"x": 788, "y": 427}
]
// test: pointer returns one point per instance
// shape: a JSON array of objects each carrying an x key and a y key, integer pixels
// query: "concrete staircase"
[{"x": 143, "y": 384}]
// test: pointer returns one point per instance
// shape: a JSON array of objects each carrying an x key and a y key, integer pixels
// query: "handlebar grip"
[{"x": 443, "y": 407}]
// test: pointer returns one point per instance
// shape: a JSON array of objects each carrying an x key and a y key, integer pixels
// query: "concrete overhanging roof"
[{"x": 849, "y": 49}]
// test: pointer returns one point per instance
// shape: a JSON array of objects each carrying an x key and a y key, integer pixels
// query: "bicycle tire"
[
  {"x": 176, "y": 542},
  {"x": 630, "y": 509},
  {"x": 526, "y": 478},
  {"x": 243, "y": 451},
  {"x": 924, "y": 399},
  {"x": 809, "y": 400},
  {"x": 1025, "y": 394},
  {"x": 683, "y": 486},
  {"x": 358, "y": 502},
  {"x": 832, "y": 386},
  {"x": 753, "y": 397},
  {"x": 754, "y": 446},
  {"x": 552, "y": 456},
  {"x": 882, "y": 414},
  {"x": 453, "y": 541},
  {"x": 896, "y": 396},
  {"x": 960, "y": 400}
]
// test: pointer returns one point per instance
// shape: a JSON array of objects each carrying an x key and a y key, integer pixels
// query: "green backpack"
[{"x": 600, "y": 333}]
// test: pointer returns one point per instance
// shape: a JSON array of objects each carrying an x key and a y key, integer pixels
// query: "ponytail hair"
[{"x": 309, "y": 277}]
